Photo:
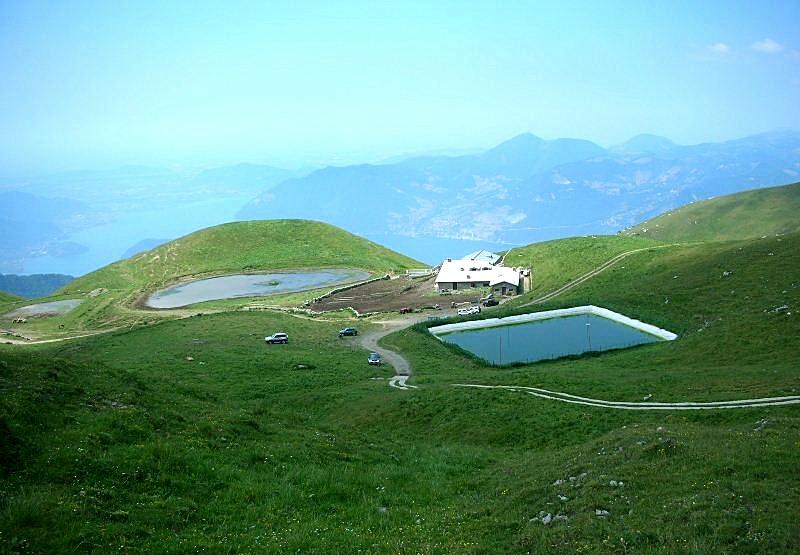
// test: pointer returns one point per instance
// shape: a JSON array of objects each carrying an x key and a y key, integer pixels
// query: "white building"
[{"x": 478, "y": 270}]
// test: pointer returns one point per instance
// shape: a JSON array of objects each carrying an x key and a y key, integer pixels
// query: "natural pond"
[
  {"x": 551, "y": 335},
  {"x": 53, "y": 308},
  {"x": 249, "y": 285}
]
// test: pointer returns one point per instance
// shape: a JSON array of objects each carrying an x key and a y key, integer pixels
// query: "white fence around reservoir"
[{"x": 547, "y": 314}]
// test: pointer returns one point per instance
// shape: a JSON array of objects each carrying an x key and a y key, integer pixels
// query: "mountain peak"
[{"x": 645, "y": 143}]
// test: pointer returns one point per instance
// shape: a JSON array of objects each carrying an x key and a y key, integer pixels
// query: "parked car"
[
  {"x": 374, "y": 358},
  {"x": 468, "y": 310},
  {"x": 406, "y": 310},
  {"x": 491, "y": 302},
  {"x": 348, "y": 331},
  {"x": 279, "y": 337}
]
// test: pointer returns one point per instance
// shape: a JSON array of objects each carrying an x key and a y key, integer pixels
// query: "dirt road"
[
  {"x": 592, "y": 273},
  {"x": 624, "y": 405}
]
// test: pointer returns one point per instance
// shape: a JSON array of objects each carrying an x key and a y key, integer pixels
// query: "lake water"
[
  {"x": 547, "y": 339},
  {"x": 249, "y": 285},
  {"x": 53, "y": 308}
]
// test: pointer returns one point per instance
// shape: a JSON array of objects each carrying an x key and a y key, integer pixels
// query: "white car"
[
  {"x": 467, "y": 310},
  {"x": 279, "y": 337}
]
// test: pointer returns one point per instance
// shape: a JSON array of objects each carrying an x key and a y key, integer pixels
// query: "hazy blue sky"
[{"x": 90, "y": 84}]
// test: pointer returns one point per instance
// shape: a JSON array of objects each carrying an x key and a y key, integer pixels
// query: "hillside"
[
  {"x": 193, "y": 434},
  {"x": 750, "y": 214},
  {"x": 110, "y": 295},
  {"x": 7, "y": 299},
  {"x": 556, "y": 263},
  {"x": 245, "y": 246}
]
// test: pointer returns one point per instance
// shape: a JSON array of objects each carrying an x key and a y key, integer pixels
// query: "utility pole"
[{"x": 589, "y": 334}]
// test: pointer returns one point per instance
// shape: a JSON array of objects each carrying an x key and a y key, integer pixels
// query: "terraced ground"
[{"x": 194, "y": 435}]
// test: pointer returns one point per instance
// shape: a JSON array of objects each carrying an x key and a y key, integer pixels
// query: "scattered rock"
[
  {"x": 779, "y": 309},
  {"x": 761, "y": 425},
  {"x": 383, "y": 510},
  {"x": 647, "y": 397},
  {"x": 558, "y": 482},
  {"x": 660, "y": 429},
  {"x": 616, "y": 484},
  {"x": 727, "y": 273},
  {"x": 563, "y": 497},
  {"x": 601, "y": 513},
  {"x": 190, "y": 359},
  {"x": 547, "y": 518}
]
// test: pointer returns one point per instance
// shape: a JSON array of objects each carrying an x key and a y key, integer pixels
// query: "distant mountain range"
[
  {"x": 524, "y": 190},
  {"x": 529, "y": 189}
]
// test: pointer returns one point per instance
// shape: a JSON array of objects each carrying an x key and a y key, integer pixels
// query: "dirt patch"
[{"x": 392, "y": 295}]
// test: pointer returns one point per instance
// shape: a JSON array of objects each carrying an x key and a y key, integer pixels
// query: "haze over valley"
[{"x": 524, "y": 190}]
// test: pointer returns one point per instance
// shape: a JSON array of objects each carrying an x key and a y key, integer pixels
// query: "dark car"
[
  {"x": 348, "y": 331},
  {"x": 406, "y": 310},
  {"x": 491, "y": 302},
  {"x": 374, "y": 358}
]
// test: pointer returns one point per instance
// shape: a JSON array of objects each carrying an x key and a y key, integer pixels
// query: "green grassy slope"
[
  {"x": 8, "y": 301},
  {"x": 750, "y": 214},
  {"x": 556, "y": 263},
  {"x": 8, "y": 298},
  {"x": 245, "y": 246},
  {"x": 120, "y": 442},
  {"x": 229, "y": 248}
]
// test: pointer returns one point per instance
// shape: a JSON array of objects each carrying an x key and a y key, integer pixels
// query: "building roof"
[
  {"x": 482, "y": 256},
  {"x": 505, "y": 275},
  {"x": 468, "y": 271}
]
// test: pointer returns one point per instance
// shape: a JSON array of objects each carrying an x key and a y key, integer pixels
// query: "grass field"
[
  {"x": 747, "y": 215},
  {"x": 556, "y": 263},
  {"x": 8, "y": 300},
  {"x": 121, "y": 443}
]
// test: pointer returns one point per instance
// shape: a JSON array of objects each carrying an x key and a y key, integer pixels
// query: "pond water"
[
  {"x": 53, "y": 308},
  {"x": 547, "y": 338},
  {"x": 249, "y": 285}
]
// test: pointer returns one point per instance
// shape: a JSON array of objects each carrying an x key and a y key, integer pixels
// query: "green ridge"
[
  {"x": 245, "y": 246},
  {"x": 556, "y": 263},
  {"x": 111, "y": 294},
  {"x": 751, "y": 214}
]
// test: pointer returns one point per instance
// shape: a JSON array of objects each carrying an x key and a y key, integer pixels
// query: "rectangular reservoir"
[{"x": 550, "y": 334}]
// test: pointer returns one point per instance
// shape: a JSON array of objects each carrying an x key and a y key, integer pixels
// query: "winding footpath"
[
  {"x": 592, "y": 273},
  {"x": 622, "y": 405}
]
